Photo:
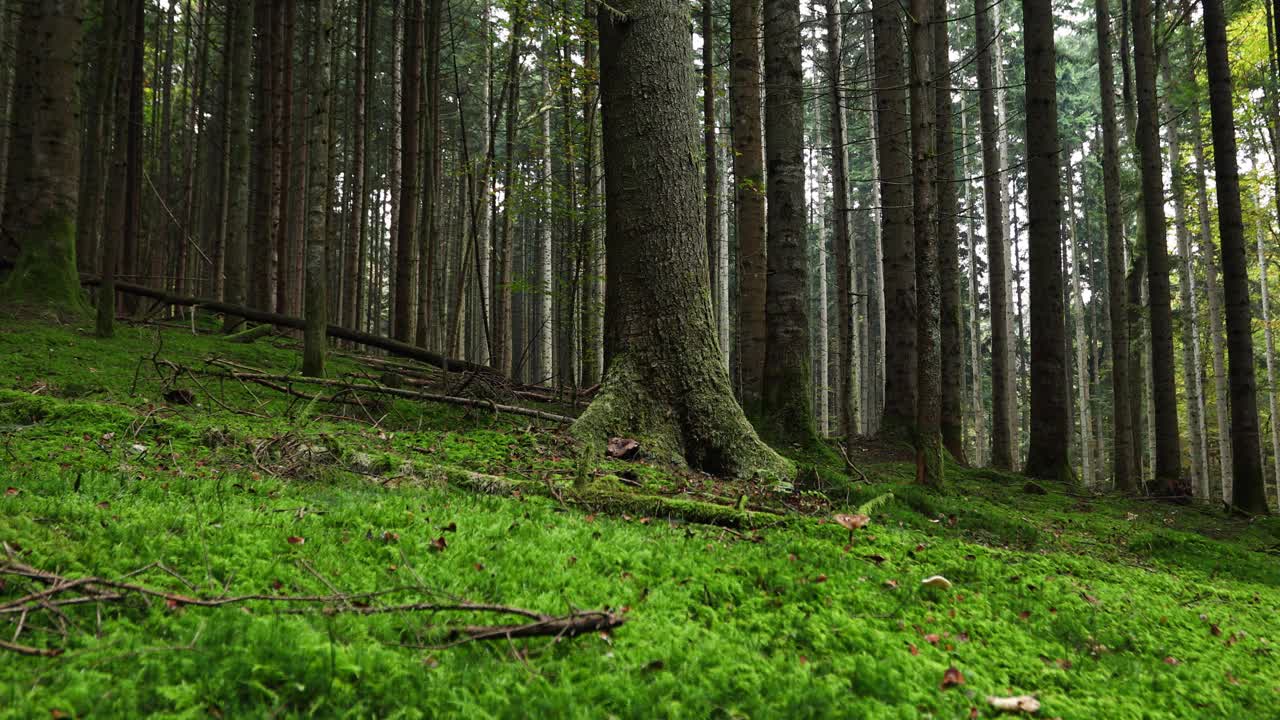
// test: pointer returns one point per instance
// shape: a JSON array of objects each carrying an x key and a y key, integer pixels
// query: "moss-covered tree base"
[
  {"x": 45, "y": 273},
  {"x": 676, "y": 422}
]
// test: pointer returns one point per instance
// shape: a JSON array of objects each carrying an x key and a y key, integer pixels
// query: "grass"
[{"x": 1101, "y": 607}]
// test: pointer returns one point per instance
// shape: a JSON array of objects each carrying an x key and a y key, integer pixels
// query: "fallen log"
[{"x": 394, "y": 347}]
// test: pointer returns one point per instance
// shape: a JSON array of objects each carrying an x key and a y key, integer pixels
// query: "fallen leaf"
[
  {"x": 390, "y": 537},
  {"x": 952, "y": 677},
  {"x": 1171, "y": 660},
  {"x": 1215, "y": 630},
  {"x": 451, "y": 527},
  {"x": 1017, "y": 703},
  {"x": 932, "y": 638},
  {"x": 820, "y": 579},
  {"x": 936, "y": 581},
  {"x": 11, "y": 490},
  {"x": 295, "y": 540},
  {"x": 439, "y": 544},
  {"x": 913, "y": 649}
]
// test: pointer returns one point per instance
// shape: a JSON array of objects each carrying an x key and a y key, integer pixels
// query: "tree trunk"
[
  {"x": 1124, "y": 476},
  {"x": 1191, "y": 383},
  {"x": 847, "y": 377},
  {"x": 1248, "y": 489},
  {"x": 951, "y": 327},
  {"x": 404, "y": 312},
  {"x": 1273, "y": 417},
  {"x": 1049, "y": 447},
  {"x": 899, "y": 413},
  {"x": 544, "y": 323},
  {"x": 353, "y": 254},
  {"x": 317, "y": 316},
  {"x": 749, "y": 195},
  {"x": 786, "y": 412},
  {"x": 98, "y": 128},
  {"x": 666, "y": 386},
  {"x": 43, "y": 168},
  {"x": 928, "y": 420},
  {"x": 262, "y": 250},
  {"x": 1082, "y": 348},
  {"x": 1214, "y": 291},
  {"x": 126, "y": 201},
  {"x": 711, "y": 176},
  {"x": 502, "y": 346},
  {"x": 874, "y": 403},
  {"x": 980, "y": 447},
  {"x": 1002, "y": 401},
  {"x": 1168, "y": 460}
]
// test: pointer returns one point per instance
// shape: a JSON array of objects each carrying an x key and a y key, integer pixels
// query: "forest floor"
[{"x": 174, "y": 488}]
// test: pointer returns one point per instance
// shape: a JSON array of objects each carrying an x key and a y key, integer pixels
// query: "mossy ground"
[{"x": 1102, "y": 607}]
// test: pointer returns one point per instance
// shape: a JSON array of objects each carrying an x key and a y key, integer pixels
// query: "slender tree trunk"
[
  {"x": 1186, "y": 291},
  {"x": 544, "y": 322},
  {"x": 1049, "y": 449},
  {"x": 353, "y": 252},
  {"x": 1082, "y": 348},
  {"x": 126, "y": 201},
  {"x": 404, "y": 312},
  {"x": 1273, "y": 417},
  {"x": 1002, "y": 401},
  {"x": 711, "y": 176},
  {"x": 1123, "y": 472},
  {"x": 9, "y": 24},
  {"x": 665, "y": 385},
  {"x": 899, "y": 414},
  {"x": 1248, "y": 489},
  {"x": 289, "y": 276},
  {"x": 951, "y": 327},
  {"x": 1168, "y": 465},
  {"x": 1214, "y": 292},
  {"x": 262, "y": 249},
  {"x": 98, "y": 129},
  {"x": 749, "y": 195},
  {"x": 980, "y": 447},
  {"x": 318, "y": 181},
  {"x": 874, "y": 404},
  {"x": 847, "y": 377},
  {"x": 592, "y": 352},
  {"x": 502, "y": 345}
]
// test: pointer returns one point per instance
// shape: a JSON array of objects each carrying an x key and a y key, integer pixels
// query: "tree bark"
[
  {"x": 928, "y": 420},
  {"x": 1168, "y": 460},
  {"x": 665, "y": 386},
  {"x": 980, "y": 447},
  {"x": 1213, "y": 289},
  {"x": 847, "y": 378},
  {"x": 502, "y": 346},
  {"x": 951, "y": 328},
  {"x": 1270, "y": 351},
  {"x": 318, "y": 181},
  {"x": 1049, "y": 446},
  {"x": 1248, "y": 489},
  {"x": 353, "y": 255},
  {"x": 1002, "y": 401},
  {"x": 1191, "y": 382},
  {"x": 43, "y": 168},
  {"x": 1123, "y": 471},
  {"x": 749, "y": 194},
  {"x": 899, "y": 412},
  {"x": 404, "y": 312},
  {"x": 786, "y": 412},
  {"x": 1081, "y": 342},
  {"x": 261, "y": 268}
]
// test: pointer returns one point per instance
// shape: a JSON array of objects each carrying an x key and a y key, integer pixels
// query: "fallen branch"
[
  {"x": 394, "y": 347},
  {"x": 267, "y": 380},
  {"x": 99, "y": 590}
]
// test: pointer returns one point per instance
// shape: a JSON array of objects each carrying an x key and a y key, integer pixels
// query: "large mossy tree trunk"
[
  {"x": 1049, "y": 446},
  {"x": 665, "y": 385},
  {"x": 43, "y": 184}
]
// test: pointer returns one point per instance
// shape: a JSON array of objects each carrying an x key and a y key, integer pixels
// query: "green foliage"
[{"x": 1101, "y": 607}]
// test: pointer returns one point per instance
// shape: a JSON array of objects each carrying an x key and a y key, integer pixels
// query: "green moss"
[{"x": 45, "y": 272}]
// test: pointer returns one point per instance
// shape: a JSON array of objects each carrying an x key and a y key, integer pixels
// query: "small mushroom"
[
  {"x": 936, "y": 581},
  {"x": 852, "y": 522}
]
